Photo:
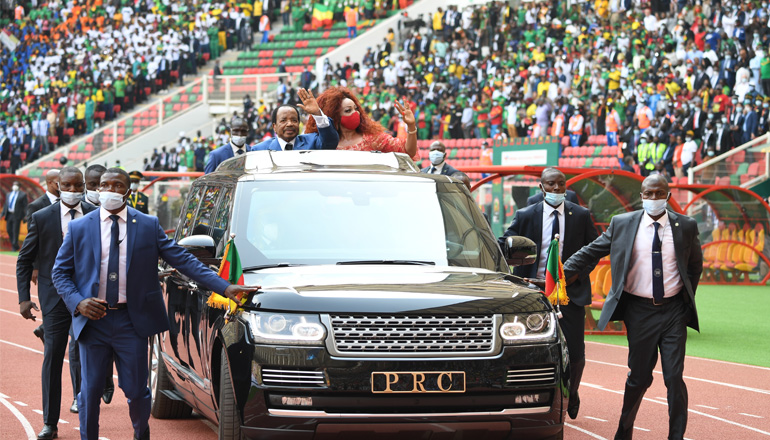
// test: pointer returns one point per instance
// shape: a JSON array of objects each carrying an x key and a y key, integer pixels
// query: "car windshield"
[{"x": 333, "y": 222}]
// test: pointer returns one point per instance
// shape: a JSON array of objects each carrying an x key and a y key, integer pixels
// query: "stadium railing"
[{"x": 744, "y": 166}]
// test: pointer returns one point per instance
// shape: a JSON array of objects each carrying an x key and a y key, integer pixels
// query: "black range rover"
[{"x": 387, "y": 309}]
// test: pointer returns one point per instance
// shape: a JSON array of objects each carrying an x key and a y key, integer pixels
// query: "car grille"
[
  {"x": 531, "y": 376},
  {"x": 408, "y": 335},
  {"x": 293, "y": 378}
]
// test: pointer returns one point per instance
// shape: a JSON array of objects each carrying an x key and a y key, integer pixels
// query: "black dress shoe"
[
  {"x": 48, "y": 432},
  {"x": 574, "y": 406},
  {"x": 145, "y": 436},
  {"x": 40, "y": 333},
  {"x": 74, "y": 407},
  {"x": 109, "y": 390}
]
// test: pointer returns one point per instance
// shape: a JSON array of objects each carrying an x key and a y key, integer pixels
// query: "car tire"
[
  {"x": 229, "y": 420},
  {"x": 163, "y": 407}
]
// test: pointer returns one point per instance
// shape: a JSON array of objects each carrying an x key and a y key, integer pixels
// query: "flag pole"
[{"x": 558, "y": 279}]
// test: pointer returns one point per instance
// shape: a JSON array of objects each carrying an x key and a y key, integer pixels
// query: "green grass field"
[{"x": 734, "y": 325}]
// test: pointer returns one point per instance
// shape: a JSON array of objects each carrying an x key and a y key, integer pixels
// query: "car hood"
[{"x": 393, "y": 289}]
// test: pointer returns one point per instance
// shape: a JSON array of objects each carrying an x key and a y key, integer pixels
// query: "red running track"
[{"x": 727, "y": 400}]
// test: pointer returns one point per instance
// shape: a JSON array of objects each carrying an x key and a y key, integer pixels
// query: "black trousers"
[
  {"x": 56, "y": 325},
  {"x": 651, "y": 329},
  {"x": 12, "y": 226},
  {"x": 572, "y": 324}
]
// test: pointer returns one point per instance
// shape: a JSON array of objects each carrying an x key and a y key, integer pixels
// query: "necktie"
[
  {"x": 240, "y": 151},
  {"x": 289, "y": 146},
  {"x": 657, "y": 266},
  {"x": 12, "y": 201},
  {"x": 555, "y": 229},
  {"x": 432, "y": 170},
  {"x": 72, "y": 214},
  {"x": 113, "y": 264}
]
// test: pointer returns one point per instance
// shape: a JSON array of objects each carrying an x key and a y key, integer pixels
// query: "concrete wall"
[{"x": 356, "y": 48}]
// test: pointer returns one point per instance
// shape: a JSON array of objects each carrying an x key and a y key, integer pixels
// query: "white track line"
[
  {"x": 588, "y": 433},
  {"x": 730, "y": 422},
  {"x": 604, "y": 344},
  {"x": 3, "y": 289},
  {"x": 595, "y": 418},
  {"x": 751, "y": 415},
  {"x": 24, "y": 422},
  {"x": 713, "y": 382},
  {"x": 707, "y": 407}
]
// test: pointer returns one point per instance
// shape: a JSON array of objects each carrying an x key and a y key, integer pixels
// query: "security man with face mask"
[
  {"x": 239, "y": 129},
  {"x": 137, "y": 200},
  {"x": 47, "y": 229},
  {"x": 656, "y": 261},
  {"x": 540, "y": 223},
  {"x": 438, "y": 165}
]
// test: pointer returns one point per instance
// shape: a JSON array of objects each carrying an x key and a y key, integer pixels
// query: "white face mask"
[
  {"x": 654, "y": 207},
  {"x": 15, "y": 187},
  {"x": 134, "y": 187},
  {"x": 70, "y": 198},
  {"x": 110, "y": 200},
  {"x": 92, "y": 197},
  {"x": 436, "y": 157},
  {"x": 238, "y": 141}
]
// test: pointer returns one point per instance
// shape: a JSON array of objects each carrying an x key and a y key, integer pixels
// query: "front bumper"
[{"x": 343, "y": 402}]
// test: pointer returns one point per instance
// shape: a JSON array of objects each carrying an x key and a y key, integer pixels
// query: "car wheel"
[
  {"x": 163, "y": 407},
  {"x": 229, "y": 420}
]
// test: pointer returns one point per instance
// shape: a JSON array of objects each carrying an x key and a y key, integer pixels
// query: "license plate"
[{"x": 418, "y": 382}]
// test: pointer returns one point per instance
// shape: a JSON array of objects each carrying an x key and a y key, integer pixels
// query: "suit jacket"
[
  {"x": 538, "y": 197},
  {"x": 76, "y": 271},
  {"x": 579, "y": 230},
  {"x": 749, "y": 126},
  {"x": 41, "y": 246},
  {"x": 327, "y": 138},
  {"x": 19, "y": 209},
  {"x": 220, "y": 155},
  {"x": 36, "y": 205},
  {"x": 139, "y": 201},
  {"x": 448, "y": 170},
  {"x": 618, "y": 242}
]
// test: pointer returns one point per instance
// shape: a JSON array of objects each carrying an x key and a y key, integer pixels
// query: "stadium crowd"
[
  {"x": 669, "y": 82},
  {"x": 70, "y": 65}
]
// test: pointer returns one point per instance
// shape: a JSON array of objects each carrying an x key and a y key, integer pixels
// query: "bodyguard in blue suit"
[
  {"x": 237, "y": 145},
  {"x": 285, "y": 120},
  {"x": 750, "y": 122},
  {"x": 106, "y": 272}
]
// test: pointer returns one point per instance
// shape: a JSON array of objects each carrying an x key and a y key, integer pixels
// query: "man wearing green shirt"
[
  {"x": 90, "y": 107},
  {"x": 120, "y": 91},
  {"x": 765, "y": 72}
]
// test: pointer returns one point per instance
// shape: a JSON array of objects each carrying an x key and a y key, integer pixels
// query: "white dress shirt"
[
  {"x": 235, "y": 148},
  {"x": 320, "y": 122},
  {"x": 106, "y": 226},
  {"x": 66, "y": 218},
  {"x": 51, "y": 197},
  {"x": 545, "y": 241},
  {"x": 639, "y": 279},
  {"x": 436, "y": 169}
]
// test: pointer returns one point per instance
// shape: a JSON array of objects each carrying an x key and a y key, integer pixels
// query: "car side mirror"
[
  {"x": 201, "y": 246},
  {"x": 519, "y": 251}
]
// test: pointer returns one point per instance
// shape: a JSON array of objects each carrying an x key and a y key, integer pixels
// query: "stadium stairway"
[{"x": 297, "y": 49}]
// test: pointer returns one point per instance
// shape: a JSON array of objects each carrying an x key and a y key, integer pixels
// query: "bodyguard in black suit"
[
  {"x": 50, "y": 196},
  {"x": 540, "y": 223},
  {"x": 13, "y": 212},
  {"x": 46, "y": 231},
  {"x": 537, "y": 198},
  {"x": 656, "y": 264},
  {"x": 437, "y": 155}
]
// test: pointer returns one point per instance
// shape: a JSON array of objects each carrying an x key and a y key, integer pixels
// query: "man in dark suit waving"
[
  {"x": 437, "y": 157},
  {"x": 656, "y": 264},
  {"x": 540, "y": 223},
  {"x": 285, "y": 119},
  {"x": 47, "y": 228},
  {"x": 107, "y": 273}
]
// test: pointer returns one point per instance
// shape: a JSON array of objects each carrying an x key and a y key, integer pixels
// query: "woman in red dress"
[{"x": 357, "y": 130}]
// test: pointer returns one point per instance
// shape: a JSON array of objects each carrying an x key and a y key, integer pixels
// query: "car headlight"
[
  {"x": 286, "y": 328},
  {"x": 528, "y": 327}
]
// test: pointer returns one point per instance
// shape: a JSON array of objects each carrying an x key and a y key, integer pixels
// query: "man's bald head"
[
  {"x": 548, "y": 172},
  {"x": 656, "y": 181},
  {"x": 52, "y": 182}
]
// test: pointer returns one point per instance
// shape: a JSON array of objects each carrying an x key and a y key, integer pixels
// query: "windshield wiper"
[
  {"x": 270, "y": 266},
  {"x": 408, "y": 262}
]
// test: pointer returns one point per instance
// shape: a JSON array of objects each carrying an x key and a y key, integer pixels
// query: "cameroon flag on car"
[
  {"x": 230, "y": 270},
  {"x": 555, "y": 283}
]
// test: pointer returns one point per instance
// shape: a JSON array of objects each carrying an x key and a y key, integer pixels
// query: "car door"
[{"x": 176, "y": 292}]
